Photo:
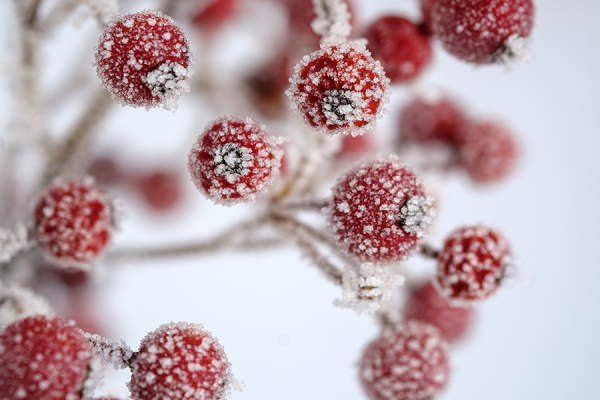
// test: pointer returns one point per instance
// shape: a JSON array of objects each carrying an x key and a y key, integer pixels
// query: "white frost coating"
[
  {"x": 417, "y": 214},
  {"x": 13, "y": 241},
  {"x": 333, "y": 20},
  {"x": 515, "y": 48},
  {"x": 17, "y": 302},
  {"x": 117, "y": 354},
  {"x": 103, "y": 10},
  {"x": 366, "y": 290},
  {"x": 167, "y": 82}
]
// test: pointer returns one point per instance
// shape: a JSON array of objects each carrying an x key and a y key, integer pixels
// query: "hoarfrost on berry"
[
  {"x": 339, "y": 89},
  {"x": 144, "y": 60}
]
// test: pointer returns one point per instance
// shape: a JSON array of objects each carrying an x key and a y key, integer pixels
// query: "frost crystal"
[
  {"x": 364, "y": 291},
  {"x": 167, "y": 82},
  {"x": 18, "y": 302},
  {"x": 12, "y": 242},
  {"x": 333, "y": 19},
  {"x": 417, "y": 214},
  {"x": 117, "y": 354},
  {"x": 233, "y": 161}
]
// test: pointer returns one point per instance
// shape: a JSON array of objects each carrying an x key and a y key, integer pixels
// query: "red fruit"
[
  {"x": 160, "y": 189},
  {"x": 427, "y": 305},
  {"x": 339, "y": 89},
  {"x": 471, "y": 264},
  {"x": 73, "y": 223},
  {"x": 402, "y": 48},
  {"x": 213, "y": 14},
  {"x": 478, "y": 31},
  {"x": 144, "y": 60},
  {"x": 410, "y": 363},
  {"x": 379, "y": 211},
  {"x": 424, "y": 121},
  {"x": 43, "y": 358},
  {"x": 179, "y": 361},
  {"x": 233, "y": 160},
  {"x": 489, "y": 153}
]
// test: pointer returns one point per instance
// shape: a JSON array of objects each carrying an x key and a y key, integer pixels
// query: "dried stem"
[{"x": 428, "y": 251}]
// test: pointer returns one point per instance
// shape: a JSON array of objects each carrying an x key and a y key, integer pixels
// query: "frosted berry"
[
  {"x": 410, "y": 363},
  {"x": 437, "y": 120},
  {"x": 233, "y": 159},
  {"x": 471, "y": 264},
  {"x": 481, "y": 31},
  {"x": 73, "y": 223},
  {"x": 179, "y": 361},
  {"x": 44, "y": 358},
  {"x": 214, "y": 13},
  {"x": 339, "y": 89},
  {"x": 160, "y": 189},
  {"x": 144, "y": 60},
  {"x": 379, "y": 210},
  {"x": 489, "y": 153},
  {"x": 427, "y": 305},
  {"x": 402, "y": 48}
]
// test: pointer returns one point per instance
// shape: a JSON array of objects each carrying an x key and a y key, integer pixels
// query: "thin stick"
[{"x": 428, "y": 251}]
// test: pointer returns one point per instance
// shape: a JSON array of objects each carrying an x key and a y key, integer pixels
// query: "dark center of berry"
[
  {"x": 232, "y": 161},
  {"x": 339, "y": 106},
  {"x": 416, "y": 215},
  {"x": 166, "y": 77}
]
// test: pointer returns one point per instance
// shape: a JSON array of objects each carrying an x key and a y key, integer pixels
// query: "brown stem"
[{"x": 429, "y": 251}]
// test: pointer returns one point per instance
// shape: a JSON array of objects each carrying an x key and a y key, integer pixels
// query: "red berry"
[
  {"x": 480, "y": 31},
  {"x": 424, "y": 121},
  {"x": 43, "y": 358},
  {"x": 427, "y": 305},
  {"x": 179, "y": 361},
  {"x": 160, "y": 189},
  {"x": 213, "y": 14},
  {"x": 402, "y": 48},
  {"x": 339, "y": 89},
  {"x": 489, "y": 153},
  {"x": 233, "y": 159},
  {"x": 410, "y": 363},
  {"x": 144, "y": 60},
  {"x": 471, "y": 264},
  {"x": 73, "y": 223},
  {"x": 379, "y": 210}
]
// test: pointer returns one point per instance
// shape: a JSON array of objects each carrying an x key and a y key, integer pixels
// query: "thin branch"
[
  {"x": 80, "y": 137},
  {"x": 315, "y": 205},
  {"x": 428, "y": 251},
  {"x": 118, "y": 354}
]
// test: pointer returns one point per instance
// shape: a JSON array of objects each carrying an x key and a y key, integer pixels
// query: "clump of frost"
[
  {"x": 515, "y": 48},
  {"x": 13, "y": 241},
  {"x": 417, "y": 214},
  {"x": 167, "y": 82},
  {"x": 94, "y": 377},
  {"x": 17, "y": 302},
  {"x": 101, "y": 10},
  {"x": 332, "y": 21},
  {"x": 365, "y": 290},
  {"x": 108, "y": 351}
]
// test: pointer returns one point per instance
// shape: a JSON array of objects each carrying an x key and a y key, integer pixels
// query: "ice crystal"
[{"x": 417, "y": 214}]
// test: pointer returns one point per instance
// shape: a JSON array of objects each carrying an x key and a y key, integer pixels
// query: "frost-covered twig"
[
  {"x": 305, "y": 205},
  {"x": 239, "y": 237},
  {"x": 13, "y": 242},
  {"x": 333, "y": 20},
  {"x": 426, "y": 250},
  {"x": 68, "y": 155},
  {"x": 19, "y": 302},
  {"x": 117, "y": 354}
]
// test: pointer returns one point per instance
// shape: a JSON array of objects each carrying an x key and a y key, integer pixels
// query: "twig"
[
  {"x": 305, "y": 205},
  {"x": 428, "y": 251},
  {"x": 118, "y": 354}
]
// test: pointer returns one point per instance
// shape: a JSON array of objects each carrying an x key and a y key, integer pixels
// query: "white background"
[{"x": 272, "y": 311}]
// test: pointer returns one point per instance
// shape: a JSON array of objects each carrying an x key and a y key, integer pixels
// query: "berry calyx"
[
  {"x": 432, "y": 120},
  {"x": 489, "y": 152},
  {"x": 379, "y": 210},
  {"x": 482, "y": 31},
  {"x": 402, "y": 48},
  {"x": 43, "y": 357},
  {"x": 471, "y": 265},
  {"x": 410, "y": 363},
  {"x": 233, "y": 160},
  {"x": 73, "y": 223},
  {"x": 144, "y": 60},
  {"x": 339, "y": 89},
  {"x": 427, "y": 305},
  {"x": 179, "y": 361}
]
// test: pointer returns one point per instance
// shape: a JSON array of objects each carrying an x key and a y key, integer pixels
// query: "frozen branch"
[
  {"x": 18, "y": 302},
  {"x": 117, "y": 354},
  {"x": 333, "y": 20},
  {"x": 13, "y": 242}
]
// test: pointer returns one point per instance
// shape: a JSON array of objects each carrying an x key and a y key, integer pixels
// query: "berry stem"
[
  {"x": 429, "y": 251},
  {"x": 118, "y": 354},
  {"x": 315, "y": 205}
]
